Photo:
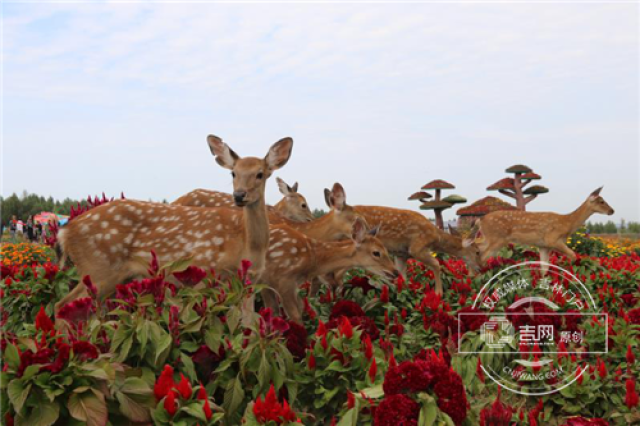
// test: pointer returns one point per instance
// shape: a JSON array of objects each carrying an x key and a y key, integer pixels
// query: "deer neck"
[
  {"x": 331, "y": 256},
  {"x": 256, "y": 233},
  {"x": 279, "y": 207},
  {"x": 317, "y": 229},
  {"x": 578, "y": 217},
  {"x": 447, "y": 243}
]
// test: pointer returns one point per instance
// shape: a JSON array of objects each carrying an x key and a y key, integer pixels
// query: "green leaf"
[
  {"x": 18, "y": 393},
  {"x": 195, "y": 410},
  {"x": 43, "y": 413},
  {"x": 163, "y": 346},
  {"x": 133, "y": 410},
  {"x": 212, "y": 340},
  {"x": 89, "y": 407},
  {"x": 350, "y": 418},
  {"x": 189, "y": 368},
  {"x": 428, "y": 413},
  {"x": 11, "y": 356},
  {"x": 263, "y": 371},
  {"x": 234, "y": 395},
  {"x": 143, "y": 336},
  {"x": 31, "y": 371},
  {"x": 374, "y": 392},
  {"x": 177, "y": 265},
  {"x": 233, "y": 318}
]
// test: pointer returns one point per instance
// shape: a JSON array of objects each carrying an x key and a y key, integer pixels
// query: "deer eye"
[
  {"x": 376, "y": 254},
  {"x": 233, "y": 174},
  {"x": 304, "y": 206},
  {"x": 259, "y": 175}
]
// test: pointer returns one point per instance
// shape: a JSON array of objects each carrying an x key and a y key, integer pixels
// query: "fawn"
[{"x": 107, "y": 241}]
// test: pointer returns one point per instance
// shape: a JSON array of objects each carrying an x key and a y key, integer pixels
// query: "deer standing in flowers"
[
  {"x": 408, "y": 234},
  {"x": 294, "y": 258},
  {"x": 106, "y": 242},
  {"x": 293, "y": 205},
  {"x": 547, "y": 231}
]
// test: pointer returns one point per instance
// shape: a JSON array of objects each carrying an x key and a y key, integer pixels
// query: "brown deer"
[
  {"x": 107, "y": 241},
  {"x": 293, "y": 205},
  {"x": 294, "y": 258},
  {"x": 547, "y": 231},
  {"x": 408, "y": 234}
]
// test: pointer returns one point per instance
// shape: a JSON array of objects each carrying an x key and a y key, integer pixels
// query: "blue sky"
[{"x": 380, "y": 97}]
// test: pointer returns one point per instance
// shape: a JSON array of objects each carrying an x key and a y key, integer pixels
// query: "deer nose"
[
  {"x": 238, "y": 196},
  {"x": 612, "y": 211}
]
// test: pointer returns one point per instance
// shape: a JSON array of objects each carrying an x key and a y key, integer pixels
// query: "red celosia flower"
[
  {"x": 84, "y": 350},
  {"x": 498, "y": 415},
  {"x": 581, "y": 421},
  {"x": 165, "y": 383},
  {"x": 361, "y": 282},
  {"x": 270, "y": 324},
  {"x": 77, "y": 311},
  {"x": 296, "y": 336},
  {"x": 373, "y": 370},
  {"x": 602, "y": 369},
  {"x": 202, "y": 396},
  {"x": 271, "y": 410},
  {"x": 345, "y": 328},
  {"x": 60, "y": 362},
  {"x": 184, "y": 387},
  {"x": 351, "y": 399},
  {"x": 170, "y": 403},
  {"x": 308, "y": 309},
  {"x": 346, "y": 308},
  {"x": 206, "y": 360},
  {"x": 43, "y": 322},
  {"x": 91, "y": 287},
  {"x": 480, "y": 372},
  {"x": 191, "y": 276},
  {"x": 244, "y": 268},
  {"x": 368, "y": 347},
  {"x": 471, "y": 322},
  {"x": 631, "y": 358},
  {"x": 322, "y": 329},
  {"x": 311, "y": 363},
  {"x": 384, "y": 295},
  {"x": 397, "y": 410},
  {"x": 631, "y": 398}
]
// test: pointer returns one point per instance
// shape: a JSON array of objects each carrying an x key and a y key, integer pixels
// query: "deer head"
[
  {"x": 597, "y": 204},
  {"x": 343, "y": 215},
  {"x": 370, "y": 253},
  {"x": 293, "y": 206},
  {"x": 469, "y": 252},
  {"x": 250, "y": 173}
]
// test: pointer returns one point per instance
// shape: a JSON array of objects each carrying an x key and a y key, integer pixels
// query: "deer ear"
[
  {"x": 225, "y": 156},
  {"x": 467, "y": 242},
  {"x": 596, "y": 192},
  {"x": 279, "y": 153},
  {"x": 283, "y": 187},
  {"x": 294, "y": 188},
  {"x": 453, "y": 231},
  {"x": 327, "y": 198},
  {"x": 359, "y": 231},
  {"x": 339, "y": 197},
  {"x": 375, "y": 230}
]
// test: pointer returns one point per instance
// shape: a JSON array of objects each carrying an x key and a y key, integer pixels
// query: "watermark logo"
[{"x": 541, "y": 329}]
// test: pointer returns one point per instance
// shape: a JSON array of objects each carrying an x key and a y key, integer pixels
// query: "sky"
[{"x": 382, "y": 98}]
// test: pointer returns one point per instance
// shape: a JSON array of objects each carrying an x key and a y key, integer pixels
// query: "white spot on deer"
[
  {"x": 294, "y": 250},
  {"x": 98, "y": 237},
  {"x": 219, "y": 227},
  {"x": 107, "y": 237},
  {"x": 84, "y": 228},
  {"x": 127, "y": 222},
  {"x": 114, "y": 231},
  {"x": 111, "y": 209},
  {"x": 275, "y": 254},
  {"x": 104, "y": 224},
  {"x": 218, "y": 241},
  {"x": 97, "y": 216}
]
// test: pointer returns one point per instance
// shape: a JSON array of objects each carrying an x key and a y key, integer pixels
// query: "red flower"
[
  {"x": 498, "y": 415},
  {"x": 184, "y": 387},
  {"x": 346, "y": 308},
  {"x": 361, "y": 282},
  {"x": 631, "y": 358},
  {"x": 91, "y": 287},
  {"x": 373, "y": 370},
  {"x": 206, "y": 360},
  {"x": 308, "y": 309},
  {"x": 368, "y": 347},
  {"x": 170, "y": 403},
  {"x": 397, "y": 410},
  {"x": 480, "y": 372},
  {"x": 351, "y": 400},
  {"x": 191, "y": 276},
  {"x": 85, "y": 350},
  {"x": 311, "y": 363},
  {"x": 61, "y": 359},
  {"x": 296, "y": 337},
  {"x": 271, "y": 410},
  {"x": 471, "y": 322},
  {"x": 384, "y": 295},
  {"x": 581, "y": 421},
  {"x": 631, "y": 398},
  {"x": 345, "y": 328},
  {"x": 77, "y": 311},
  {"x": 602, "y": 369},
  {"x": 43, "y": 322},
  {"x": 165, "y": 383},
  {"x": 202, "y": 396}
]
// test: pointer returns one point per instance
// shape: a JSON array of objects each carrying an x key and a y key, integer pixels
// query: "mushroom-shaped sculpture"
[
  {"x": 519, "y": 168},
  {"x": 420, "y": 195},
  {"x": 454, "y": 199},
  {"x": 536, "y": 189},
  {"x": 514, "y": 187},
  {"x": 468, "y": 215},
  {"x": 437, "y": 206}
]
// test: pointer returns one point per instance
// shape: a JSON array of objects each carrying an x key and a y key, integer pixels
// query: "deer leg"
[
  {"x": 422, "y": 254},
  {"x": 544, "y": 258},
  {"x": 401, "y": 264},
  {"x": 490, "y": 249},
  {"x": 562, "y": 248},
  {"x": 270, "y": 297},
  {"x": 290, "y": 302}
]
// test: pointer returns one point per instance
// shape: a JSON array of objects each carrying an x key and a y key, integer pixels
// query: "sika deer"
[
  {"x": 293, "y": 205},
  {"x": 105, "y": 242},
  {"x": 547, "y": 231},
  {"x": 294, "y": 258},
  {"x": 408, "y": 234}
]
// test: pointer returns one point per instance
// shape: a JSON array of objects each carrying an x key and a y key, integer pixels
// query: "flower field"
[{"x": 368, "y": 353}]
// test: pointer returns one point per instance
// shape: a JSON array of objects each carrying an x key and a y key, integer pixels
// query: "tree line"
[{"x": 612, "y": 228}]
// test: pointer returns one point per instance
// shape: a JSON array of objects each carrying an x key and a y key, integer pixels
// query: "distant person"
[
  {"x": 38, "y": 231},
  {"x": 13, "y": 226},
  {"x": 30, "y": 229},
  {"x": 20, "y": 228}
]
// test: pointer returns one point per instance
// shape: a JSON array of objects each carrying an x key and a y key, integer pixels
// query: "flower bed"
[{"x": 369, "y": 353}]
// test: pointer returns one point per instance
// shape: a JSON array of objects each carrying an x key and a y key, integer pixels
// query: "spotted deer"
[
  {"x": 547, "y": 231},
  {"x": 294, "y": 258},
  {"x": 408, "y": 234},
  {"x": 293, "y": 205},
  {"x": 107, "y": 241}
]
